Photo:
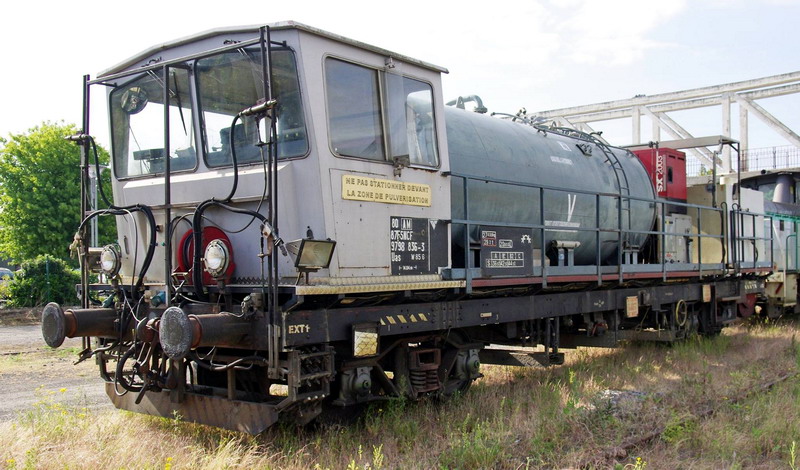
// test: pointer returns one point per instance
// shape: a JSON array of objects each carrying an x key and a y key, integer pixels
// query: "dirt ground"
[{"x": 30, "y": 370}]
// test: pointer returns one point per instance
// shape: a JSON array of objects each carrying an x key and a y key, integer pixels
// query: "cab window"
[
  {"x": 230, "y": 82},
  {"x": 379, "y": 116},
  {"x": 137, "y": 122}
]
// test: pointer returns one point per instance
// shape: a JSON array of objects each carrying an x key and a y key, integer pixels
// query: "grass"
[
  {"x": 44, "y": 356},
  {"x": 512, "y": 418}
]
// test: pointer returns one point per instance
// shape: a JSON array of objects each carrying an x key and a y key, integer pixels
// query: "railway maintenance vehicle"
[{"x": 304, "y": 223}]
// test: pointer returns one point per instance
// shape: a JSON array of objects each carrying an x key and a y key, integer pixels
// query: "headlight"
[
  {"x": 311, "y": 254},
  {"x": 217, "y": 258},
  {"x": 110, "y": 261}
]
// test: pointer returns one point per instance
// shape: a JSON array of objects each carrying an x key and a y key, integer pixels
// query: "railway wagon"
[
  {"x": 304, "y": 224},
  {"x": 780, "y": 203}
]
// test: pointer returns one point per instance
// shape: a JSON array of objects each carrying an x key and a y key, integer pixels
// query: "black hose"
[
  {"x": 119, "y": 373},
  {"x": 250, "y": 359},
  {"x": 235, "y": 162},
  {"x": 148, "y": 213},
  {"x": 97, "y": 172},
  {"x": 117, "y": 210},
  {"x": 197, "y": 219},
  {"x": 197, "y": 273}
]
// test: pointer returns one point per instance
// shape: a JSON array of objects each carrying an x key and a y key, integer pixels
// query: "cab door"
[{"x": 390, "y": 201}]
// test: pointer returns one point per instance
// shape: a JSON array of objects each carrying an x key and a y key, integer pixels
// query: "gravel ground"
[
  {"x": 29, "y": 370},
  {"x": 24, "y": 336}
]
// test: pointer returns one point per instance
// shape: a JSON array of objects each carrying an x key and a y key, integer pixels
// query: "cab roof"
[{"x": 282, "y": 25}]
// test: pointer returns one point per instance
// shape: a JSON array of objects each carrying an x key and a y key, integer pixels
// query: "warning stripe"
[{"x": 413, "y": 318}]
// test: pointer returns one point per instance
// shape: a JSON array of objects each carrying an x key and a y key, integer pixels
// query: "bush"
[
  {"x": 42, "y": 280},
  {"x": 4, "y": 291}
]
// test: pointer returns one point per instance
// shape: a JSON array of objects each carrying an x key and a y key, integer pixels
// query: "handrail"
[
  {"x": 577, "y": 191},
  {"x": 786, "y": 254},
  {"x": 738, "y": 216},
  {"x": 734, "y": 253}
]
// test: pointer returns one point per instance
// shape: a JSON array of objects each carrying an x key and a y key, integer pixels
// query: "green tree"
[
  {"x": 40, "y": 193},
  {"x": 42, "y": 280}
]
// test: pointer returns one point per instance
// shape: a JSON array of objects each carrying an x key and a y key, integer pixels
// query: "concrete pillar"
[
  {"x": 656, "y": 128},
  {"x": 726, "y": 131},
  {"x": 744, "y": 145}
]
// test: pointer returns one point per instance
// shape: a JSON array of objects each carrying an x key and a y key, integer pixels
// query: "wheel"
[
  {"x": 460, "y": 366},
  {"x": 708, "y": 325}
]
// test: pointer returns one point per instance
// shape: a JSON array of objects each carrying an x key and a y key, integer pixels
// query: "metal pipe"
[
  {"x": 467, "y": 251},
  {"x": 543, "y": 244},
  {"x": 700, "y": 241},
  {"x": 459, "y": 103},
  {"x": 738, "y": 172},
  {"x": 663, "y": 236},
  {"x": 58, "y": 324},
  {"x": 265, "y": 43},
  {"x": 598, "y": 260},
  {"x": 168, "y": 194},
  {"x": 231, "y": 384},
  {"x": 732, "y": 236},
  {"x": 179, "y": 333},
  {"x": 786, "y": 255},
  {"x": 755, "y": 241},
  {"x": 84, "y": 169},
  {"x": 714, "y": 180},
  {"x": 620, "y": 241},
  {"x": 724, "y": 227},
  {"x": 275, "y": 194}
]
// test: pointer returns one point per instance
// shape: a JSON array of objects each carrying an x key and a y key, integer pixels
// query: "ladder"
[{"x": 624, "y": 190}]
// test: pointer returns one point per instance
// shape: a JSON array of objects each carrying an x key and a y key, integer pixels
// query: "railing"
[
  {"x": 786, "y": 250},
  {"x": 786, "y": 265},
  {"x": 771, "y": 158},
  {"x": 766, "y": 158},
  {"x": 744, "y": 231},
  {"x": 622, "y": 234}
]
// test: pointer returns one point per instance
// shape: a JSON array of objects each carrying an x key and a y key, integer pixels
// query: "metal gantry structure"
[{"x": 656, "y": 107}]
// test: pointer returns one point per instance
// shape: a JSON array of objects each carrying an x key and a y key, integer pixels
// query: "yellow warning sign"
[{"x": 360, "y": 188}]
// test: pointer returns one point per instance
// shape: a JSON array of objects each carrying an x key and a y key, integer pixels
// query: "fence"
[{"x": 767, "y": 158}]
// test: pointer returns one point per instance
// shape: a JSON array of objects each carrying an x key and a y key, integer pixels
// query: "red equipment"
[{"x": 667, "y": 170}]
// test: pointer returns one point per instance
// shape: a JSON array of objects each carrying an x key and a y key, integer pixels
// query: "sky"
[{"x": 537, "y": 54}]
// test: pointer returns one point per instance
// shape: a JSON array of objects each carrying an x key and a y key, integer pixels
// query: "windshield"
[
  {"x": 232, "y": 81},
  {"x": 137, "y": 122}
]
